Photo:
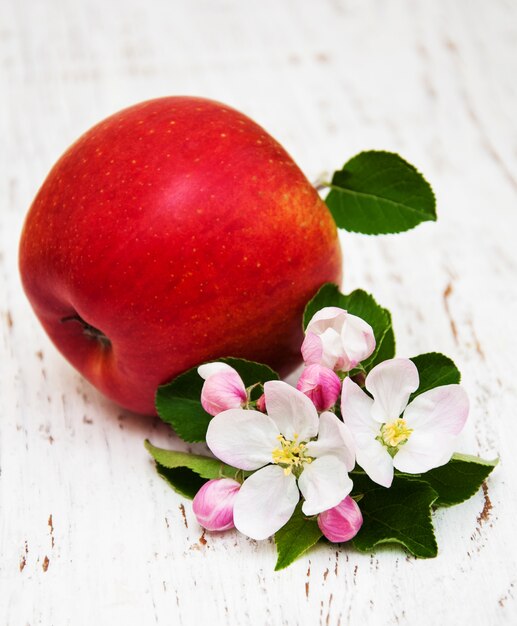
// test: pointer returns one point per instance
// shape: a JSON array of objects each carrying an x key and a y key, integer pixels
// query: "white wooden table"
[{"x": 89, "y": 534}]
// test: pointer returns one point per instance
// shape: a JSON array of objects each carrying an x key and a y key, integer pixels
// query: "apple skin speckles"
[{"x": 202, "y": 242}]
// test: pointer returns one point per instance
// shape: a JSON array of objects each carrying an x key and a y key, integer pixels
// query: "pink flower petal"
[
  {"x": 391, "y": 383},
  {"x": 213, "y": 504},
  {"x": 222, "y": 391},
  {"x": 342, "y": 522},
  {"x": 223, "y": 388},
  {"x": 261, "y": 404},
  {"x": 312, "y": 349},
  {"x": 321, "y": 385}
]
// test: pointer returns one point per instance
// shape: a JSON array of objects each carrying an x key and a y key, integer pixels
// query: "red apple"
[{"x": 174, "y": 232}]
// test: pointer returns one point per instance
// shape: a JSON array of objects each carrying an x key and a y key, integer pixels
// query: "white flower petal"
[
  {"x": 424, "y": 451},
  {"x": 324, "y": 483},
  {"x": 312, "y": 349},
  {"x": 370, "y": 454},
  {"x": 328, "y": 317},
  {"x": 391, "y": 383},
  {"x": 291, "y": 410},
  {"x": 358, "y": 341},
  {"x": 356, "y": 408},
  {"x": 333, "y": 355},
  {"x": 334, "y": 438},
  {"x": 244, "y": 439},
  {"x": 209, "y": 369},
  {"x": 375, "y": 459},
  {"x": 442, "y": 410},
  {"x": 265, "y": 502}
]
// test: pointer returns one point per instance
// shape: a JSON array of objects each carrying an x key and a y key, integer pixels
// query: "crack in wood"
[{"x": 446, "y": 295}]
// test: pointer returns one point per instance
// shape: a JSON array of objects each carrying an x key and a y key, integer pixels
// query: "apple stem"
[
  {"x": 322, "y": 182},
  {"x": 89, "y": 330}
]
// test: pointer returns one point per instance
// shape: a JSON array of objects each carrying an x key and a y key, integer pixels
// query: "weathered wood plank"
[{"x": 88, "y": 532}]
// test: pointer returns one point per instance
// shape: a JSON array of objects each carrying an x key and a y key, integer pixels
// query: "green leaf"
[
  {"x": 204, "y": 466},
  {"x": 459, "y": 480},
  {"x": 363, "y": 305},
  {"x": 434, "y": 369},
  {"x": 179, "y": 402},
  {"x": 386, "y": 349},
  {"x": 327, "y": 295},
  {"x": 296, "y": 537},
  {"x": 183, "y": 480},
  {"x": 400, "y": 514},
  {"x": 379, "y": 192}
]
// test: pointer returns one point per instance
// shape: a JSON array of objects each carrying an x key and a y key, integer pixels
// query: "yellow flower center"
[
  {"x": 291, "y": 454},
  {"x": 395, "y": 433}
]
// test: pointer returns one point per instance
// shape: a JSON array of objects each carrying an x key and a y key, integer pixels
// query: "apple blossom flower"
[
  {"x": 223, "y": 388},
  {"x": 338, "y": 340},
  {"x": 321, "y": 385},
  {"x": 342, "y": 522},
  {"x": 213, "y": 503},
  {"x": 389, "y": 433},
  {"x": 292, "y": 449}
]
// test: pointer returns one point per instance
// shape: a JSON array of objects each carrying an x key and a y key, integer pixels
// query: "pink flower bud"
[
  {"x": 342, "y": 522},
  {"x": 261, "y": 403},
  {"x": 321, "y": 385},
  {"x": 223, "y": 388},
  {"x": 213, "y": 503}
]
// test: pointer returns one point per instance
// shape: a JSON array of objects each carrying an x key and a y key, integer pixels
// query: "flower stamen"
[
  {"x": 396, "y": 433},
  {"x": 291, "y": 455}
]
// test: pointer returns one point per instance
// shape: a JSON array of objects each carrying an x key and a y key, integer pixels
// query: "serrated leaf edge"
[
  {"x": 337, "y": 189},
  {"x": 406, "y": 163},
  {"x": 398, "y": 541},
  {"x": 278, "y": 566},
  {"x": 444, "y": 503},
  {"x": 424, "y": 217}
]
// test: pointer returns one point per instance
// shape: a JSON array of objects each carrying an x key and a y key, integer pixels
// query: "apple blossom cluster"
[{"x": 302, "y": 443}]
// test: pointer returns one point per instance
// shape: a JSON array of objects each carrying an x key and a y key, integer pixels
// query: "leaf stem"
[{"x": 321, "y": 185}]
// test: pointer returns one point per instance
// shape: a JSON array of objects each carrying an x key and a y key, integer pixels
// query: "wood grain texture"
[{"x": 89, "y": 534}]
